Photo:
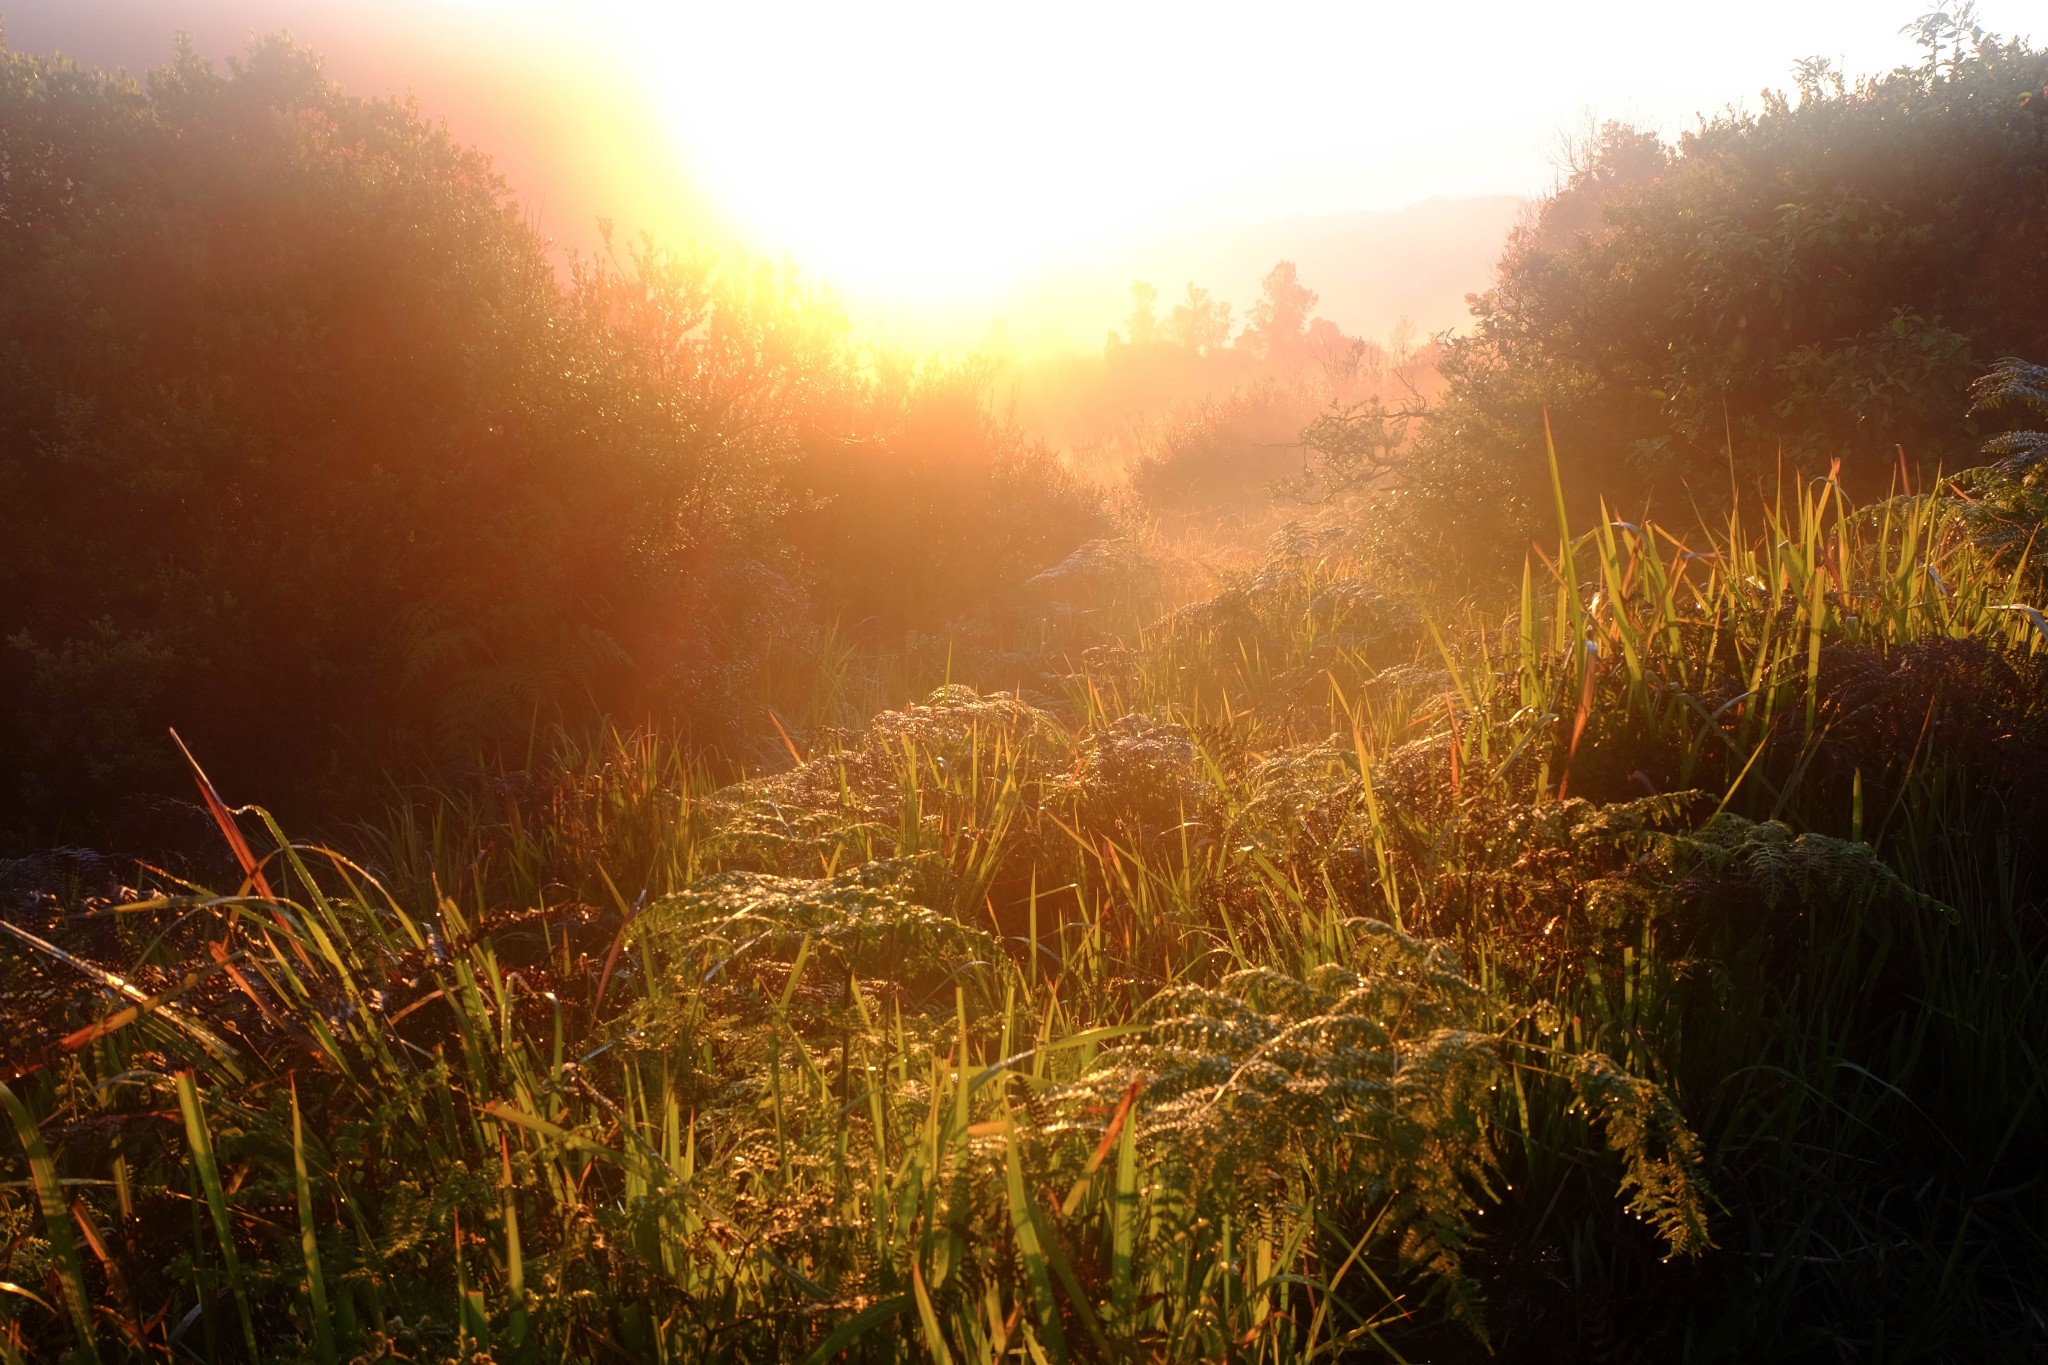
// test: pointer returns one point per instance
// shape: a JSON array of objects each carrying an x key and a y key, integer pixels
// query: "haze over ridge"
[{"x": 1381, "y": 156}]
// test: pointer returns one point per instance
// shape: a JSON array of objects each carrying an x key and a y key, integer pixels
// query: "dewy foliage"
[
  {"x": 2008, "y": 494},
  {"x": 1310, "y": 978}
]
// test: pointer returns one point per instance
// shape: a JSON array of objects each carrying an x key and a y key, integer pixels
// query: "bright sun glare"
[
  {"x": 929, "y": 149},
  {"x": 948, "y": 152}
]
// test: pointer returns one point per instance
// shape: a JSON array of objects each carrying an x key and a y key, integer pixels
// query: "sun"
[
  {"x": 922, "y": 153},
  {"x": 949, "y": 154}
]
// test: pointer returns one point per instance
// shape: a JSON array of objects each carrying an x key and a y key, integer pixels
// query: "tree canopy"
[
  {"x": 311, "y": 446},
  {"x": 1818, "y": 280}
]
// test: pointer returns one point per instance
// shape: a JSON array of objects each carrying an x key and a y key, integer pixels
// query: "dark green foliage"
[
  {"x": 891, "y": 786},
  {"x": 1696, "y": 1083},
  {"x": 2014, "y": 388},
  {"x": 304, "y": 443},
  {"x": 1817, "y": 281},
  {"x": 861, "y": 921},
  {"x": 1143, "y": 782},
  {"x": 1659, "y": 1152},
  {"x": 2007, "y": 502},
  {"x": 1376, "y": 1081}
]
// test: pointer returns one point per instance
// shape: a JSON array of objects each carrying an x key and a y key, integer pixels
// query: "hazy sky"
[
  {"x": 948, "y": 152},
  {"x": 915, "y": 140}
]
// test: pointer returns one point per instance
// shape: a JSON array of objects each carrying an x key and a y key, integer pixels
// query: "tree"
[
  {"x": 1939, "y": 29},
  {"x": 1277, "y": 326},
  {"x": 1141, "y": 328},
  {"x": 1199, "y": 323},
  {"x": 1819, "y": 280},
  {"x": 1349, "y": 446},
  {"x": 307, "y": 449}
]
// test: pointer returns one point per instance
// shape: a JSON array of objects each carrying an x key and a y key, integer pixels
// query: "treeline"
[
  {"x": 1817, "y": 281},
  {"x": 1810, "y": 286},
  {"x": 1198, "y": 416},
  {"x": 310, "y": 447}
]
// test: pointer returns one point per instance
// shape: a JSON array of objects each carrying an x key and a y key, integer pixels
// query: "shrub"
[
  {"x": 1816, "y": 281},
  {"x": 308, "y": 447}
]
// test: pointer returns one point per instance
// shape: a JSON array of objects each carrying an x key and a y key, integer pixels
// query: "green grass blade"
[
  {"x": 515, "y": 1257},
  {"x": 1024, "y": 1223},
  {"x": 201, "y": 1140},
  {"x": 309, "y": 1242},
  {"x": 928, "y": 1320},
  {"x": 56, "y": 1220},
  {"x": 854, "y": 1327}
]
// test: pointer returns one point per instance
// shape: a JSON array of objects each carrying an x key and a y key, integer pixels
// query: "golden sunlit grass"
[{"x": 1099, "y": 1029}]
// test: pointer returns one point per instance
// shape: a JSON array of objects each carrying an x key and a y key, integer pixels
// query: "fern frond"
[
  {"x": 1660, "y": 1154},
  {"x": 2011, "y": 383}
]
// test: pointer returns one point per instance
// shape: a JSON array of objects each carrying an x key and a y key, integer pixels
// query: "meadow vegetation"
[{"x": 772, "y": 864}]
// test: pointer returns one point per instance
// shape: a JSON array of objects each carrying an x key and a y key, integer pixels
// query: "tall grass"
[{"x": 1328, "y": 972}]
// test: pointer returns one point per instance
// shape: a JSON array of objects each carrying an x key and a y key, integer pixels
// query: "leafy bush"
[
  {"x": 1227, "y": 452},
  {"x": 923, "y": 507},
  {"x": 1817, "y": 281},
  {"x": 312, "y": 449}
]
